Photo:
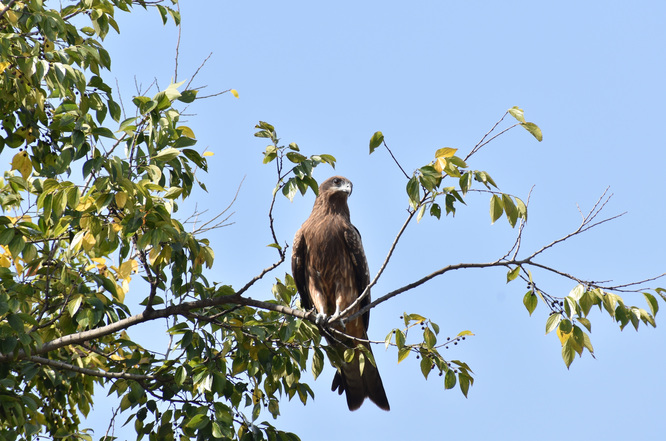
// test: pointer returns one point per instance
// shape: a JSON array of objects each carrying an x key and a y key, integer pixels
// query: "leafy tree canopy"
[{"x": 90, "y": 205}]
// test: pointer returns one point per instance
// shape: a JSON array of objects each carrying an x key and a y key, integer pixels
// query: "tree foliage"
[{"x": 90, "y": 210}]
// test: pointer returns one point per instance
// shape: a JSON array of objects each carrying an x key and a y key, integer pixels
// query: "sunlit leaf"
[
  {"x": 568, "y": 353},
  {"x": 530, "y": 301},
  {"x": 376, "y": 141},
  {"x": 652, "y": 303},
  {"x": 445, "y": 152},
  {"x": 403, "y": 353},
  {"x": 534, "y": 130},
  {"x": 513, "y": 274},
  {"x": 496, "y": 208},
  {"x": 517, "y": 113},
  {"x": 553, "y": 322}
]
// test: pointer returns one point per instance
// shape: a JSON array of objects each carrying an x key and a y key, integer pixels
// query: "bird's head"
[{"x": 336, "y": 185}]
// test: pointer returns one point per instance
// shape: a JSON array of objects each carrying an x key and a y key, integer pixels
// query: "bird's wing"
[
  {"x": 360, "y": 265},
  {"x": 298, "y": 269}
]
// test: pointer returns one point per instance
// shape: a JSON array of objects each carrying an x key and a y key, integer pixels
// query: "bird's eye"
[{"x": 337, "y": 181}]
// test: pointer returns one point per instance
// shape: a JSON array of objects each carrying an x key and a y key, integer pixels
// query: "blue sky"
[{"x": 431, "y": 75}]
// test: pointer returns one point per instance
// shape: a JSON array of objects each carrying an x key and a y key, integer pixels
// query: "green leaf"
[
  {"x": 188, "y": 96},
  {"x": 585, "y": 322},
  {"x": 296, "y": 158},
  {"x": 429, "y": 338},
  {"x": 552, "y": 322},
  {"x": 361, "y": 362},
  {"x": 496, "y": 209},
  {"x": 568, "y": 353},
  {"x": 198, "y": 422},
  {"x": 376, "y": 141},
  {"x": 512, "y": 274},
  {"x": 534, "y": 130},
  {"x": 399, "y": 338},
  {"x": 510, "y": 209},
  {"x": 167, "y": 154},
  {"x": 435, "y": 210},
  {"x": 426, "y": 367},
  {"x": 403, "y": 353},
  {"x": 530, "y": 301},
  {"x": 522, "y": 209},
  {"x": 565, "y": 326},
  {"x": 517, "y": 113},
  {"x": 652, "y": 303},
  {"x": 449, "y": 379},
  {"x": 6, "y": 235},
  {"x": 317, "y": 363},
  {"x": 181, "y": 376},
  {"x": 463, "y": 380},
  {"x": 414, "y": 192}
]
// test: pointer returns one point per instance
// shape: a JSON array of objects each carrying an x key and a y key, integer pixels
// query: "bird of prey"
[{"x": 331, "y": 271}]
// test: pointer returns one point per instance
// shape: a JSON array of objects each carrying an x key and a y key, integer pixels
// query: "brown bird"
[{"x": 331, "y": 271}]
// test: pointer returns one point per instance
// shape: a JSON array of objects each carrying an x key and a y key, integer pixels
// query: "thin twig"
[
  {"x": 180, "y": 28},
  {"x": 197, "y": 71},
  {"x": 480, "y": 143},
  {"x": 95, "y": 373},
  {"x": 395, "y": 160}
]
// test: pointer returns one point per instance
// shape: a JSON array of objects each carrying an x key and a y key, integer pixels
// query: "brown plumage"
[{"x": 331, "y": 271}]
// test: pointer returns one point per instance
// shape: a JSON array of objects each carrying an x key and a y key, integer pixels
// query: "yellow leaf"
[
  {"x": 100, "y": 261},
  {"x": 563, "y": 337},
  {"x": 85, "y": 203},
  {"x": 88, "y": 242},
  {"x": 48, "y": 46},
  {"x": 128, "y": 268},
  {"x": 234, "y": 92},
  {"x": 186, "y": 131},
  {"x": 154, "y": 254},
  {"x": 445, "y": 152},
  {"x": 440, "y": 164},
  {"x": 121, "y": 199},
  {"x": 4, "y": 65},
  {"x": 22, "y": 163},
  {"x": 464, "y": 333},
  {"x": 12, "y": 17},
  {"x": 208, "y": 153},
  {"x": 123, "y": 289},
  {"x": 5, "y": 261}
]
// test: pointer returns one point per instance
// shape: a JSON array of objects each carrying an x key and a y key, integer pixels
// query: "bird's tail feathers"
[{"x": 358, "y": 387}]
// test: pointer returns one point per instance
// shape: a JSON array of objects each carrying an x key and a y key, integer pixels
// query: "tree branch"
[{"x": 85, "y": 371}]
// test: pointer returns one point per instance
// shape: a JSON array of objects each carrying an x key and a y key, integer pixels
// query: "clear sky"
[{"x": 433, "y": 74}]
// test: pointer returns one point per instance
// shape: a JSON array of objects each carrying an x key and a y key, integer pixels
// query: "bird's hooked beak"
[{"x": 347, "y": 187}]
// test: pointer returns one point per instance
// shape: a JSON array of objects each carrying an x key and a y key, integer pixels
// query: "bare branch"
[
  {"x": 180, "y": 29},
  {"x": 205, "y": 226},
  {"x": 585, "y": 225},
  {"x": 395, "y": 160},
  {"x": 196, "y": 72},
  {"x": 480, "y": 144},
  {"x": 85, "y": 371}
]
